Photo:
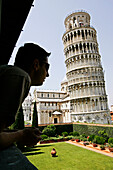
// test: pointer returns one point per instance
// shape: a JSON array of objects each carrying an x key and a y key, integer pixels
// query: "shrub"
[
  {"x": 64, "y": 134},
  {"x": 99, "y": 140},
  {"x": 77, "y": 137},
  {"x": 84, "y": 139},
  {"x": 75, "y": 133},
  {"x": 44, "y": 136},
  {"x": 94, "y": 140},
  {"x": 110, "y": 140},
  {"x": 91, "y": 137},
  {"x": 50, "y": 130},
  {"x": 70, "y": 137},
  {"x": 84, "y": 135},
  {"x": 102, "y": 140},
  {"x": 71, "y": 133},
  {"x": 103, "y": 134},
  {"x": 110, "y": 145}
]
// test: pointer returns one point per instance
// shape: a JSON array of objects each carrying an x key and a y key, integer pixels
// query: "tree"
[
  {"x": 19, "y": 122},
  {"x": 35, "y": 116},
  {"x": 50, "y": 130}
]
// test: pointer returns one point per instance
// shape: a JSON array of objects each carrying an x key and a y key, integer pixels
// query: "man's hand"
[{"x": 29, "y": 136}]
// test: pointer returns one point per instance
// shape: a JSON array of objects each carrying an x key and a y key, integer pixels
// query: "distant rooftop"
[{"x": 49, "y": 91}]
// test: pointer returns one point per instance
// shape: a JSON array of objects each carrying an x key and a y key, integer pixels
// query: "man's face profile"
[{"x": 40, "y": 72}]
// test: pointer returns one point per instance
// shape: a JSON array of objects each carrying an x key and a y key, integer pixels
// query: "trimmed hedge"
[
  {"x": 92, "y": 129},
  {"x": 81, "y": 129},
  {"x": 64, "y": 128},
  {"x": 75, "y": 133},
  {"x": 60, "y": 128}
]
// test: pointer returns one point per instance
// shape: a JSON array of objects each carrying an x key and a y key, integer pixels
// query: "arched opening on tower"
[{"x": 82, "y": 34}]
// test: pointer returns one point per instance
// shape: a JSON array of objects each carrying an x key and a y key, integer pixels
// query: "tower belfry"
[{"x": 85, "y": 76}]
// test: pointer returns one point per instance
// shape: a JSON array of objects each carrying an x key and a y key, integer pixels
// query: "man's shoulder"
[{"x": 12, "y": 70}]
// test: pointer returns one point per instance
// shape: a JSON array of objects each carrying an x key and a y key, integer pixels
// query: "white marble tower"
[{"x": 85, "y": 76}]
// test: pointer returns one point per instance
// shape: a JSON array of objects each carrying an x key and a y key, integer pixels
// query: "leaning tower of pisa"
[{"x": 85, "y": 76}]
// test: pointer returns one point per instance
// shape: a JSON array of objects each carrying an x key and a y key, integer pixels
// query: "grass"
[{"x": 69, "y": 157}]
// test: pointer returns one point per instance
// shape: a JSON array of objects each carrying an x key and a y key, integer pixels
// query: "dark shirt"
[{"x": 14, "y": 88}]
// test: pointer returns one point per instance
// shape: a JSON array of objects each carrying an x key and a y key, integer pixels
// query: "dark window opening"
[
  {"x": 75, "y": 33},
  {"x": 49, "y": 114},
  {"x": 55, "y": 120},
  {"x": 80, "y": 46},
  {"x": 78, "y": 33},
  {"x": 82, "y": 34},
  {"x": 71, "y": 35},
  {"x": 76, "y": 47}
]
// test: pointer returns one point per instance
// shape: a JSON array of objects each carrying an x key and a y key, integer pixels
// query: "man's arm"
[
  {"x": 28, "y": 137},
  {"x": 8, "y": 138}
]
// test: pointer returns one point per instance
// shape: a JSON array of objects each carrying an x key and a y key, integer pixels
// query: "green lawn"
[{"x": 69, "y": 157}]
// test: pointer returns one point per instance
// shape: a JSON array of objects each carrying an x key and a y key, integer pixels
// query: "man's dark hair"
[{"x": 28, "y": 53}]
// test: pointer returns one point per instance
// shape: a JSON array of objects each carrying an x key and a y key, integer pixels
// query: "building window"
[
  {"x": 48, "y": 95},
  {"x": 53, "y": 95},
  {"x": 49, "y": 114},
  {"x": 55, "y": 120},
  {"x": 42, "y": 95},
  {"x": 30, "y": 117},
  {"x": 45, "y": 104}
]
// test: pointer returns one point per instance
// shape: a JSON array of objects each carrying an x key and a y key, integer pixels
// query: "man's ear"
[{"x": 36, "y": 64}]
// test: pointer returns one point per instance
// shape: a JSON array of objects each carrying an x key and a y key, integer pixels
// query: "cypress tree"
[
  {"x": 35, "y": 116},
  {"x": 19, "y": 122}
]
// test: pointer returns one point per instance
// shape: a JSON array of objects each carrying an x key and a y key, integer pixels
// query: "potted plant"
[
  {"x": 65, "y": 138},
  {"x": 102, "y": 147},
  {"x": 53, "y": 152},
  {"x": 60, "y": 139},
  {"x": 110, "y": 147},
  {"x": 72, "y": 139},
  {"x": 77, "y": 139},
  {"x": 91, "y": 138},
  {"x": 85, "y": 143},
  {"x": 94, "y": 143}
]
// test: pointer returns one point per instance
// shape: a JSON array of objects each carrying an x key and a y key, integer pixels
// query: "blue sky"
[{"x": 45, "y": 26}]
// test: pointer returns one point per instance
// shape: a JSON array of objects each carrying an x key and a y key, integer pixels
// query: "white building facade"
[
  {"x": 50, "y": 106},
  {"x": 26, "y": 105}
]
